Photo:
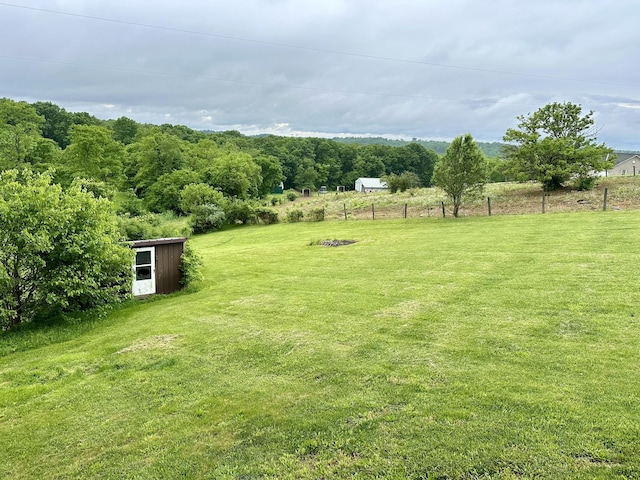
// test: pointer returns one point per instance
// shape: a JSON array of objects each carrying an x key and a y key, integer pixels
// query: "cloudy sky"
[{"x": 430, "y": 69}]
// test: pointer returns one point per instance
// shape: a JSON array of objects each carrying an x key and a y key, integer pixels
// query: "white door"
[{"x": 144, "y": 271}]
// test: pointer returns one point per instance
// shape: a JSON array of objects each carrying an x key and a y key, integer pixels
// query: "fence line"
[{"x": 492, "y": 208}]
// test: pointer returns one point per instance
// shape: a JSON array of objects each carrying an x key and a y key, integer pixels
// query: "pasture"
[{"x": 505, "y": 347}]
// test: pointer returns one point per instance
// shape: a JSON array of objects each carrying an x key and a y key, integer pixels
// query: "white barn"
[{"x": 371, "y": 185}]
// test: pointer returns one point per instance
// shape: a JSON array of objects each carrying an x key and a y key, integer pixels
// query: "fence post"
[
  {"x": 443, "y": 211},
  {"x": 405, "y": 210},
  {"x": 543, "y": 200},
  {"x": 489, "y": 205},
  {"x": 345, "y": 210},
  {"x": 604, "y": 204},
  {"x": 373, "y": 212}
]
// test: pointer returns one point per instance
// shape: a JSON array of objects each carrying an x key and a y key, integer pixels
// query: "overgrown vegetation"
[{"x": 60, "y": 250}]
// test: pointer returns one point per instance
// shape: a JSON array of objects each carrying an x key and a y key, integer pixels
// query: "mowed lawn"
[{"x": 503, "y": 347}]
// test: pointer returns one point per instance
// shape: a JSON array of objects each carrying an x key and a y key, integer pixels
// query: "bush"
[
  {"x": 207, "y": 218},
  {"x": 586, "y": 182},
  {"x": 291, "y": 195},
  {"x": 190, "y": 266},
  {"x": 61, "y": 250},
  {"x": 241, "y": 211},
  {"x": 275, "y": 201},
  {"x": 132, "y": 205},
  {"x": 315, "y": 215},
  {"x": 151, "y": 225},
  {"x": 135, "y": 228},
  {"x": 267, "y": 216},
  {"x": 294, "y": 215}
]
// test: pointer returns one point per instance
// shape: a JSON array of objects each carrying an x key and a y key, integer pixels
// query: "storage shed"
[
  {"x": 156, "y": 266},
  {"x": 370, "y": 185}
]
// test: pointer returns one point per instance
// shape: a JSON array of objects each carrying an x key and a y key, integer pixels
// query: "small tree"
[
  {"x": 402, "y": 182},
  {"x": 59, "y": 250},
  {"x": 462, "y": 171},
  {"x": 555, "y": 144}
]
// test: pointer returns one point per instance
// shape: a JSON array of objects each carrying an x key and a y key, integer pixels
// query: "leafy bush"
[
  {"x": 132, "y": 205},
  {"x": 190, "y": 266},
  {"x": 291, "y": 195},
  {"x": 400, "y": 183},
  {"x": 61, "y": 250},
  {"x": 151, "y": 225},
  {"x": 241, "y": 211},
  {"x": 267, "y": 216},
  {"x": 586, "y": 182},
  {"x": 294, "y": 215},
  {"x": 207, "y": 218},
  {"x": 275, "y": 201},
  {"x": 315, "y": 215}
]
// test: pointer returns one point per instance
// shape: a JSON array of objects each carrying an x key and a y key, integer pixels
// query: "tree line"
[{"x": 60, "y": 242}]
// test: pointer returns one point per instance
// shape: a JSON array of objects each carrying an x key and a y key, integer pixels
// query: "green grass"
[{"x": 504, "y": 347}]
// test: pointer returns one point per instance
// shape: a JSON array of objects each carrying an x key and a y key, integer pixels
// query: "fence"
[{"x": 378, "y": 208}]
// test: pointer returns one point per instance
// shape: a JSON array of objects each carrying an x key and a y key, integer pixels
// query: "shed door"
[{"x": 144, "y": 271}]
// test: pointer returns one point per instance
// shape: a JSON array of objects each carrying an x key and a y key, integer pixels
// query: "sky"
[{"x": 406, "y": 69}]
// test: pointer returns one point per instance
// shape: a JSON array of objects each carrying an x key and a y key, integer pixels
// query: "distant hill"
[{"x": 492, "y": 149}]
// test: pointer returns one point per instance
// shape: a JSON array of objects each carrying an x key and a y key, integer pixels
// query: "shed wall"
[{"x": 168, "y": 274}]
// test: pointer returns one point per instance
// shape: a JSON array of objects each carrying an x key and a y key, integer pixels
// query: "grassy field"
[
  {"x": 504, "y": 347},
  {"x": 623, "y": 193}
]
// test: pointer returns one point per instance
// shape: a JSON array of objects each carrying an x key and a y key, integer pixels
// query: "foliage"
[
  {"x": 207, "y": 218},
  {"x": 131, "y": 205},
  {"x": 267, "y": 216},
  {"x": 315, "y": 215},
  {"x": 462, "y": 171},
  {"x": 196, "y": 194},
  {"x": 94, "y": 154},
  {"x": 190, "y": 266},
  {"x": 125, "y": 130},
  {"x": 95, "y": 187},
  {"x": 240, "y": 212},
  {"x": 294, "y": 215},
  {"x": 554, "y": 144},
  {"x": 20, "y": 127},
  {"x": 402, "y": 182},
  {"x": 60, "y": 249},
  {"x": 291, "y": 195},
  {"x": 166, "y": 193}
]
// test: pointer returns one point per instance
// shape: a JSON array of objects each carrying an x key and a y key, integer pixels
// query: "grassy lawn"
[{"x": 504, "y": 347}]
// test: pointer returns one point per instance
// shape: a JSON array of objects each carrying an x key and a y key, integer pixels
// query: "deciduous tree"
[
  {"x": 462, "y": 171},
  {"x": 554, "y": 144}
]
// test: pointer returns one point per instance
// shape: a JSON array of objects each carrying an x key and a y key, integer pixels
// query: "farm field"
[{"x": 505, "y": 347}]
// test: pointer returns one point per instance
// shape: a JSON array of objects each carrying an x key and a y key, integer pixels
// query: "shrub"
[
  {"x": 190, "y": 266},
  {"x": 294, "y": 215},
  {"x": 315, "y": 215},
  {"x": 207, "y": 218},
  {"x": 241, "y": 211},
  {"x": 267, "y": 216},
  {"x": 275, "y": 201},
  {"x": 132, "y": 205},
  {"x": 291, "y": 195}
]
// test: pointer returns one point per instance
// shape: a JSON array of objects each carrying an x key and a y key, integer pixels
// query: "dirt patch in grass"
[
  {"x": 157, "y": 341},
  {"x": 335, "y": 243}
]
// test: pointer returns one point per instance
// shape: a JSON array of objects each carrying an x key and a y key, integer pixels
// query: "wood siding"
[{"x": 168, "y": 274}]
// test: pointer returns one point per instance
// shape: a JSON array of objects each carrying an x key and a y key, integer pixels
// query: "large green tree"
[
  {"x": 462, "y": 171},
  {"x": 60, "y": 249},
  {"x": 20, "y": 132},
  {"x": 555, "y": 144},
  {"x": 94, "y": 154}
]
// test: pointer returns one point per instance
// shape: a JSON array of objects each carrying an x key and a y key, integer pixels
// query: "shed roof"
[
  {"x": 158, "y": 241},
  {"x": 372, "y": 183}
]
